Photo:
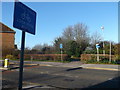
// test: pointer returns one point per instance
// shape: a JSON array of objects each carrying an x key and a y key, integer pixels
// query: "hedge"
[
  {"x": 87, "y": 57},
  {"x": 45, "y": 57}
]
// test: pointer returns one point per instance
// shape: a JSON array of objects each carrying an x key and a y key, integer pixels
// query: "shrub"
[
  {"x": 104, "y": 58},
  {"x": 10, "y": 57},
  {"x": 16, "y": 53},
  {"x": 91, "y": 61},
  {"x": 92, "y": 58},
  {"x": 89, "y": 51},
  {"x": 117, "y": 57},
  {"x": 105, "y": 61}
]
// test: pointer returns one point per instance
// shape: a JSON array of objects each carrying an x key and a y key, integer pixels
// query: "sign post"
[
  {"x": 98, "y": 54},
  {"x": 21, "y": 60},
  {"x": 25, "y": 20},
  {"x": 61, "y": 46},
  {"x": 110, "y": 53},
  {"x": 97, "y": 47}
]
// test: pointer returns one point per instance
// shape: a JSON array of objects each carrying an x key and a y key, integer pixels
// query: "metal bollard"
[{"x": 6, "y": 63}]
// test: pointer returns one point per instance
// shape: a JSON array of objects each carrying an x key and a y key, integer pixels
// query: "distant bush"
[
  {"x": 6, "y": 52},
  {"x": 117, "y": 57},
  {"x": 16, "y": 53},
  {"x": 89, "y": 51},
  {"x": 10, "y": 57}
]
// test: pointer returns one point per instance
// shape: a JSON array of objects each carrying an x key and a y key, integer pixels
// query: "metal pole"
[
  {"x": 103, "y": 41},
  {"x": 21, "y": 61},
  {"x": 110, "y": 53},
  {"x": 103, "y": 46},
  {"x": 98, "y": 54},
  {"x": 61, "y": 55},
  {"x": 31, "y": 59}
]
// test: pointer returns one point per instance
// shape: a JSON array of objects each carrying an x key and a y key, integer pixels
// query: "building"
[{"x": 7, "y": 39}]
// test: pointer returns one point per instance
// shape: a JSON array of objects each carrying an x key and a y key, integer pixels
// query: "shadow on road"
[
  {"x": 113, "y": 83},
  {"x": 9, "y": 85},
  {"x": 32, "y": 87},
  {"x": 74, "y": 69}
]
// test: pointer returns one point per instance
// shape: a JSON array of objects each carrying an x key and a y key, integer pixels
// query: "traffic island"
[{"x": 101, "y": 67}]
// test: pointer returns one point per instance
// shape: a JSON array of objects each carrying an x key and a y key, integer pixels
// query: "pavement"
[{"x": 74, "y": 64}]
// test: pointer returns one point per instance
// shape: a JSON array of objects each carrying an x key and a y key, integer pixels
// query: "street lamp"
[
  {"x": 110, "y": 52},
  {"x": 103, "y": 40}
]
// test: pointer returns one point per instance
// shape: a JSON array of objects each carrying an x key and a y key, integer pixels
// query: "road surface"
[{"x": 37, "y": 77}]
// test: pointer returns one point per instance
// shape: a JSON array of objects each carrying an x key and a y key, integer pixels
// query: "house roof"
[{"x": 5, "y": 29}]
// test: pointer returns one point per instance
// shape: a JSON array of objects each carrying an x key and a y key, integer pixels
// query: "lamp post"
[
  {"x": 110, "y": 53},
  {"x": 103, "y": 40}
]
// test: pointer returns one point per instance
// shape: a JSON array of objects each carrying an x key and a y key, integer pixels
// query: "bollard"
[{"x": 6, "y": 63}]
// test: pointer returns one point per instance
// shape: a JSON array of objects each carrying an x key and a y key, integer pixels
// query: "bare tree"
[
  {"x": 78, "y": 33},
  {"x": 68, "y": 33},
  {"x": 81, "y": 33},
  {"x": 38, "y": 47},
  {"x": 95, "y": 38}
]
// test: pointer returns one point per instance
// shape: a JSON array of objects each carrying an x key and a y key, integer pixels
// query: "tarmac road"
[{"x": 37, "y": 77}]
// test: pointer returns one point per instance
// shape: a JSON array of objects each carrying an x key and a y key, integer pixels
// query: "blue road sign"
[
  {"x": 61, "y": 46},
  {"x": 24, "y": 18},
  {"x": 97, "y": 46}
]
